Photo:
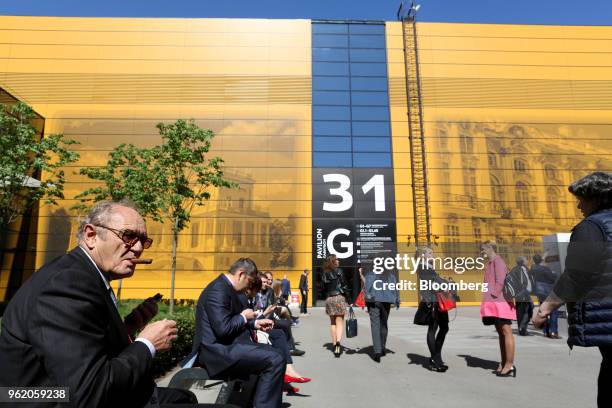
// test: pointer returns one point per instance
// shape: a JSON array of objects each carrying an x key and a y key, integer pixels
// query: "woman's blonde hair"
[
  {"x": 277, "y": 287},
  {"x": 491, "y": 244}
]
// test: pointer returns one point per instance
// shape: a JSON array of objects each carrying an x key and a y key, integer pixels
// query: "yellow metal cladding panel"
[
  {"x": 512, "y": 115},
  {"x": 108, "y": 81},
  {"x": 49, "y": 60},
  {"x": 145, "y": 88}
]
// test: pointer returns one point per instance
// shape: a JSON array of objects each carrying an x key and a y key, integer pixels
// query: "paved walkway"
[{"x": 548, "y": 374}]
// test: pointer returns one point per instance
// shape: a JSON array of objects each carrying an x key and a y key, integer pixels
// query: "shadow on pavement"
[
  {"x": 296, "y": 394},
  {"x": 478, "y": 362},
  {"x": 369, "y": 350},
  {"x": 419, "y": 359}
]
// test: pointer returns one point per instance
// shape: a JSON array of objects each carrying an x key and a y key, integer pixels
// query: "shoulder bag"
[{"x": 351, "y": 324}]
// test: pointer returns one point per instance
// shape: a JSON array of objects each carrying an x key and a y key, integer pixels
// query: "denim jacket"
[{"x": 381, "y": 293}]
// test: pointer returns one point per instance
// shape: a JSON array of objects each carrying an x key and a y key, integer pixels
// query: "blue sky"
[{"x": 565, "y": 12}]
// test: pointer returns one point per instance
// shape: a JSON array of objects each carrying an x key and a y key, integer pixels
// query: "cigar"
[{"x": 142, "y": 261}]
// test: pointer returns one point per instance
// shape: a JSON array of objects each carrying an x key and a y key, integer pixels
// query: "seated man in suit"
[
  {"x": 224, "y": 331},
  {"x": 62, "y": 328}
]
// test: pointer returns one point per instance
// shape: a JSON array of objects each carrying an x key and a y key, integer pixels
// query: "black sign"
[{"x": 353, "y": 215}]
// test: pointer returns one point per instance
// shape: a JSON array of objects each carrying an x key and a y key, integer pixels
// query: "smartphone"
[{"x": 158, "y": 297}]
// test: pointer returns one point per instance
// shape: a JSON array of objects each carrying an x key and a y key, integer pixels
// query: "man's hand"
[
  {"x": 249, "y": 314},
  {"x": 140, "y": 316},
  {"x": 264, "y": 325},
  {"x": 161, "y": 334},
  {"x": 552, "y": 302},
  {"x": 539, "y": 320},
  {"x": 541, "y": 317}
]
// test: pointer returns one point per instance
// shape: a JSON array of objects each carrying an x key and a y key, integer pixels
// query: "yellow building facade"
[{"x": 512, "y": 115}]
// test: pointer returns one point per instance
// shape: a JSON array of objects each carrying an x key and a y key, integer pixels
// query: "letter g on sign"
[{"x": 348, "y": 246}]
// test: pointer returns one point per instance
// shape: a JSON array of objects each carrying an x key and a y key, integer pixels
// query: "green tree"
[
  {"x": 166, "y": 181},
  {"x": 282, "y": 242},
  {"x": 31, "y": 168}
]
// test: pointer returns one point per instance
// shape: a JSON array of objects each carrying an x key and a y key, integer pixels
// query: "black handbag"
[
  {"x": 424, "y": 314},
  {"x": 351, "y": 324}
]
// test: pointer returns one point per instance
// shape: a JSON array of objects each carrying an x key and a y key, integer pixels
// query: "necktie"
[{"x": 112, "y": 295}]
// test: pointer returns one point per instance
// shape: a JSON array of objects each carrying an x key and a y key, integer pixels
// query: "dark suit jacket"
[
  {"x": 62, "y": 329},
  {"x": 303, "y": 283},
  {"x": 219, "y": 325}
]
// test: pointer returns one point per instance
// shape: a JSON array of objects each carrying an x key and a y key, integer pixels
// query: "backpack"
[{"x": 512, "y": 286}]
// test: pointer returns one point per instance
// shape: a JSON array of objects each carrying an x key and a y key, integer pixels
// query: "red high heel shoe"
[{"x": 290, "y": 379}]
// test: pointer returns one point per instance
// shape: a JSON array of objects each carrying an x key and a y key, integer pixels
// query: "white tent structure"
[{"x": 27, "y": 182}]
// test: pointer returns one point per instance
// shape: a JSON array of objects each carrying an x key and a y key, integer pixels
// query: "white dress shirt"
[{"x": 114, "y": 299}]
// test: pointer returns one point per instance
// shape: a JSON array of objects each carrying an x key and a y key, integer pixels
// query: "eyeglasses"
[{"x": 130, "y": 237}]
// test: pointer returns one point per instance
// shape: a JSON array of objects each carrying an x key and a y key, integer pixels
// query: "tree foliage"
[
  {"x": 282, "y": 242},
  {"x": 24, "y": 155},
  {"x": 166, "y": 181}
]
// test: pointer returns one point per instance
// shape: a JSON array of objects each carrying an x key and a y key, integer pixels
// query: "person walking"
[
  {"x": 286, "y": 288},
  {"x": 379, "y": 299},
  {"x": 304, "y": 293},
  {"x": 545, "y": 279},
  {"x": 496, "y": 311},
  {"x": 586, "y": 284},
  {"x": 335, "y": 304},
  {"x": 524, "y": 305},
  {"x": 438, "y": 321}
]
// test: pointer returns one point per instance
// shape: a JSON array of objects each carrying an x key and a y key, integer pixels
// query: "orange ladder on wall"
[{"x": 420, "y": 194}]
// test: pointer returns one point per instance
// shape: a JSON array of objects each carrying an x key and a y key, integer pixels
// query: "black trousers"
[
  {"x": 524, "y": 312},
  {"x": 285, "y": 326},
  {"x": 604, "y": 392},
  {"x": 268, "y": 364},
  {"x": 304, "y": 303},
  {"x": 280, "y": 341},
  {"x": 435, "y": 341},
  {"x": 379, "y": 316}
]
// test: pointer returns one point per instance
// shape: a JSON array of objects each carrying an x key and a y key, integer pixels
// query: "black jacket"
[
  {"x": 334, "y": 283},
  {"x": 543, "y": 274},
  {"x": 62, "y": 330},
  {"x": 303, "y": 283},
  {"x": 219, "y": 325},
  {"x": 590, "y": 312},
  {"x": 429, "y": 275}
]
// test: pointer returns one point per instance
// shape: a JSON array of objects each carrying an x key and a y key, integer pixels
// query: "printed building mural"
[{"x": 309, "y": 113}]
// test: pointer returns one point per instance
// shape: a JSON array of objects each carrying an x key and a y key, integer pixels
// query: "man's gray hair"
[{"x": 100, "y": 214}]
